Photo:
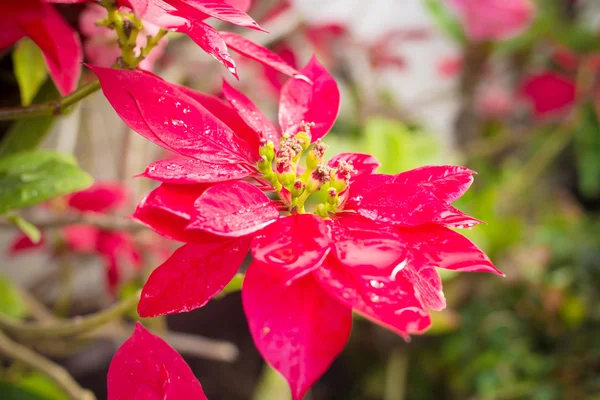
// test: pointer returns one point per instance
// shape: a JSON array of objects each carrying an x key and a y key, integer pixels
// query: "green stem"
[
  {"x": 72, "y": 327},
  {"x": 56, "y": 107}
]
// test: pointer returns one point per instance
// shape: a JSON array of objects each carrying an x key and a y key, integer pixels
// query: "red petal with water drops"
[
  {"x": 233, "y": 209},
  {"x": 168, "y": 210},
  {"x": 222, "y": 10},
  {"x": 447, "y": 182},
  {"x": 102, "y": 197},
  {"x": 549, "y": 93},
  {"x": 223, "y": 111},
  {"x": 163, "y": 114},
  {"x": 193, "y": 275},
  {"x": 436, "y": 246},
  {"x": 360, "y": 242},
  {"x": 59, "y": 43},
  {"x": 402, "y": 204},
  {"x": 258, "y": 53},
  {"x": 387, "y": 299},
  {"x": 365, "y": 164},
  {"x": 251, "y": 114},
  {"x": 316, "y": 101},
  {"x": 146, "y": 367},
  {"x": 296, "y": 244},
  {"x": 298, "y": 328},
  {"x": 454, "y": 218},
  {"x": 365, "y": 184},
  {"x": 184, "y": 171}
]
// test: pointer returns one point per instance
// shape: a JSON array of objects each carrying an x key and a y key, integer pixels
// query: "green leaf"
[
  {"x": 30, "y": 178},
  {"x": 445, "y": 20},
  {"x": 30, "y": 230},
  {"x": 42, "y": 386},
  {"x": 26, "y": 134},
  {"x": 11, "y": 302},
  {"x": 31, "y": 386},
  {"x": 30, "y": 69}
]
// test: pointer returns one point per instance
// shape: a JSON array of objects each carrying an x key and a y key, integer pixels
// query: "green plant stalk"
[
  {"x": 58, "y": 374},
  {"x": 68, "y": 328}
]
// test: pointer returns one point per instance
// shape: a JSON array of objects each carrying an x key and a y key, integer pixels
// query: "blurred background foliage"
[{"x": 533, "y": 334}]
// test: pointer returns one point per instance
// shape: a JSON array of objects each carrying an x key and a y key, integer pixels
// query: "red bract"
[
  {"x": 372, "y": 245},
  {"x": 45, "y": 26},
  {"x": 114, "y": 247},
  {"x": 146, "y": 368}
]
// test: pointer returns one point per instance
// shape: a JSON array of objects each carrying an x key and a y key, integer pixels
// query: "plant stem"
[
  {"x": 55, "y": 372},
  {"x": 56, "y": 107},
  {"x": 104, "y": 222},
  {"x": 72, "y": 327}
]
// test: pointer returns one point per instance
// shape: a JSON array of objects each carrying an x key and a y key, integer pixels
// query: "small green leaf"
[
  {"x": 30, "y": 178},
  {"x": 30, "y": 69},
  {"x": 11, "y": 302},
  {"x": 30, "y": 230}
]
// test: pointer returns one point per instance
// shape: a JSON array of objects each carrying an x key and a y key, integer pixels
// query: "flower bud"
[
  {"x": 285, "y": 168},
  {"x": 321, "y": 211},
  {"x": 318, "y": 178},
  {"x": 303, "y": 138},
  {"x": 332, "y": 197},
  {"x": 341, "y": 175},
  {"x": 298, "y": 188},
  {"x": 267, "y": 149},
  {"x": 315, "y": 156}
]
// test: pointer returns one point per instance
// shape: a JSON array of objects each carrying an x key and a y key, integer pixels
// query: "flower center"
[{"x": 297, "y": 170}]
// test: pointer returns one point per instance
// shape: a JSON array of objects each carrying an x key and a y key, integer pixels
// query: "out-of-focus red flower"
[
  {"x": 495, "y": 101},
  {"x": 450, "y": 67},
  {"x": 146, "y": 368},
  {"x": 45, "y": 26},
  {"x": 372, "y": 246},
  {"x": 549, "y": 93},
  {"x": 115, "y": 248},
  {"x": 492, "y": 20}
]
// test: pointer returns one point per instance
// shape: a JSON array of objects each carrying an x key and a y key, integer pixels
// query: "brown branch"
[
  {"x": 58, "y": 374},
  {"x": 105, "y": 222}
]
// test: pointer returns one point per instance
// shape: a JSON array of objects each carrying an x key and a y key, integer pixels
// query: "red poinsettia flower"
[
  {"x": 146, "y": 368},
  {"x": 45, "y": 26},
  {"x": 372, "y": 243},
  {"x": 114, "y": 247}
]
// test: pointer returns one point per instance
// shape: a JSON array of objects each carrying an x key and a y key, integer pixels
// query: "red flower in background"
[
  {"x": 371, "y": 245},
  {"x": 45, "y": 26},
  {"x": 493, "y": 20},
  {"x": 146, "y": 368},
  {"x": 114, "y": 247}
]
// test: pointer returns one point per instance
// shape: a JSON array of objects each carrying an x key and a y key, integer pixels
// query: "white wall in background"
[{"x": 419, "y": 87}]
